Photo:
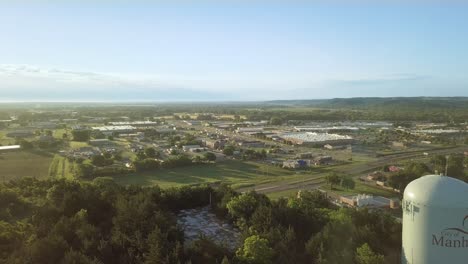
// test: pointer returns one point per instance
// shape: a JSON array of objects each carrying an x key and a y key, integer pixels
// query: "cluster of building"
[
  {"x": 313, "y": 138},
  {"x": 367, "y": 200},
  {"x": 305, "y": 163}
]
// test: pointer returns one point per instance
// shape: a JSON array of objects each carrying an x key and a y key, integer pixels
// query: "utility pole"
[{"x": 446, "y": 164}]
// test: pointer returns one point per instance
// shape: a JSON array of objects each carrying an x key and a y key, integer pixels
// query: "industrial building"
[
  {"x": 251, "y": 144},
  {"x": 366, "y": 200},
  {"x": 9, "y": 148},
  {"x": 110, "y": 130},
  {"x": 325, "y": 129},
  {"x": 134, "y": 123},
  {"x": 316, "y": 138},
  {"x": 250, "y": 130}
]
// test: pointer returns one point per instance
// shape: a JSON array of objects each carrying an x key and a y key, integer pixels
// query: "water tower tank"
[{"x": 435, "y": 221}]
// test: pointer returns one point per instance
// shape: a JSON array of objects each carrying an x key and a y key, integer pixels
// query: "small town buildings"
[
  {"x": 192, "y": 122},
  {"x": 251, "y": 144},
  {"x": 394, "y": 168},
  {"x": 196, "y": 150},
  {"x": 69, "y": 120},
  {"x": 188, "y": 147},
  {"x": 84, "y": 152},
  {"x": 214, "y": 144},
  {"x": 398, "y": 144},
  {"x": 20, "y": 134},
  {"x": 374, "y": 176},
  {"x": 296, "y": 164},
  {"x": 366, "y": 200},
  {"x": 135, "y": 123},
  {"x": 334, "y": 147},
  {"x": 322, "y": 160},
  {"x": 45, "y": 125},
  {"x": 250, "y": 130},
  {"x": 306, "y": 155}
]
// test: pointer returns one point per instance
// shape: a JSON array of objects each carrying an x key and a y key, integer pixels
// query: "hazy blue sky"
[{"x": 231, "y": 51}]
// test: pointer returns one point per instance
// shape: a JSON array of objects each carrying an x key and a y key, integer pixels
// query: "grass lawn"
[
  {"x": 240, "y": 173},
  {"x": 19, "y": 164},
  {"x": 281, "y": 194},
  {"x": 58, "y": 133},
  {"x": 77, "y": 144},
  {"x": 361, "y": 188}
]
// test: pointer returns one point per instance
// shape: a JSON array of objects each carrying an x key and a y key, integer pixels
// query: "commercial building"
[
  {"x": 9, "y": 148},
  {"x": 134, "y": 123},
  {"x": 325, "y": 129},
  {"x": 322, "y": 160},
  {"x": 188, "y": 147},
  {"x": 250, "y": 130},
  {"x": 366, "y": 200},
  {"x": 110, "y": 130},
  {"x": 251, "y": 144},
  {"x": 313, "y": 138},
  {"x": 193, "y": 122}
]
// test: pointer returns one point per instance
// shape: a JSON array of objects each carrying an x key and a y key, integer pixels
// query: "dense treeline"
[
  {"x": 59, "y": 221},
  {"x": 435, "y": 109}
]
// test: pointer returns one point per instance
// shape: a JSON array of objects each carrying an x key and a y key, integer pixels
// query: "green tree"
[
  {"x": 365, "y": 255},
  {"x": 243, "y": 206},
  {"x": 225, "y": 260},
  {"x": 332, "y": 179},
  {"x": 347, "y": 183},
  {"x": 210, "y": 156},
  {"x": 256, "y": 250},
  {"x": 156, "y": 254},
  {"x": 150, "y": 152},
  {"x": 228, "y": 150},
  {"x": 81, "y": 135},
  {"x": 276, "y": 121}
]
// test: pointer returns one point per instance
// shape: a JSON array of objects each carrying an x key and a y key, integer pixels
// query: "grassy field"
[
  {"x": 234, "y": 172},
  {"x": 281, "y": 194},
  {"x": 19, "y": 164},
  {"x": 60, "y": 168},
  {"x": 361, "y": 188},
  {"x": 77, "y": 144}
]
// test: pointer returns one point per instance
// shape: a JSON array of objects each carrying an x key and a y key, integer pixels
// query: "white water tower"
[{"x": 435, "y": 221}]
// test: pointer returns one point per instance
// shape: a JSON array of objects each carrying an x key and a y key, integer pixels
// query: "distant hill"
[{"x": 379, "y": 102}]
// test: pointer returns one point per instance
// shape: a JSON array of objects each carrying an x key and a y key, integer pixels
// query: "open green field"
[
  {"x": 77, "y": 144},
  {"x": 238, "y": 173},
  {"x": 282, "y": 194},
  {"x": 19, "y": 164},
  {"x": 361, "y": 188},
  {"x": 60, "y": 168}
]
